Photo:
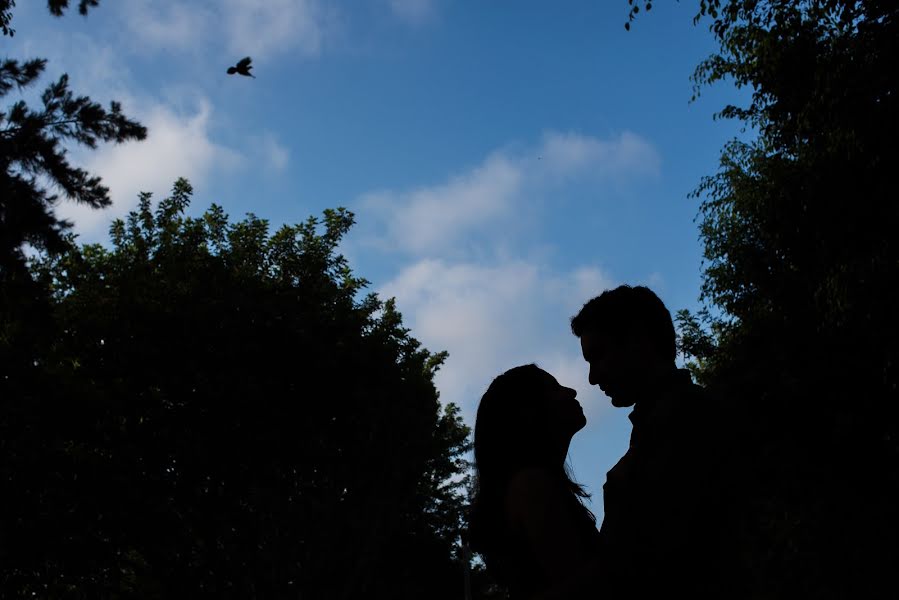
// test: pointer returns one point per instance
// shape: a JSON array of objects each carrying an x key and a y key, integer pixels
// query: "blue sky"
[{"x": 505, "y": 161}]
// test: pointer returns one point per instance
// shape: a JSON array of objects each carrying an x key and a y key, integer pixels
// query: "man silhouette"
[{"x": 662, "y": 499}]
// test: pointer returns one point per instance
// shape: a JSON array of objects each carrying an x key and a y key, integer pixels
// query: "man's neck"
[
  {"x": 657, "y": 380},
  {"x": 656, "y": 383}
]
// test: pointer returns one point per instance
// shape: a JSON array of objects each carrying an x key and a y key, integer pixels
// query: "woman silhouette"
[{"x": 528, "y": 519}]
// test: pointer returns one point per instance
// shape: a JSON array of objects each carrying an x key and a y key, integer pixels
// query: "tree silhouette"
[
  {"x": 220, "y": 416},
  {"x": 34, "y": 171},
  {"x": 800, "y": 247},
  {"x": 32, "y": 148}
]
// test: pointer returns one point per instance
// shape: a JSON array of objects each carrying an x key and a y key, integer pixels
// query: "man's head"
[{"x": 628, "y": 338}]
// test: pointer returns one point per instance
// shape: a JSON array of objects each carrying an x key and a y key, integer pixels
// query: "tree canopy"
[
  {"x": 801, "y": 284},
  {"x": 219, "y": 415},
  {"x": 35, "y": 171}
]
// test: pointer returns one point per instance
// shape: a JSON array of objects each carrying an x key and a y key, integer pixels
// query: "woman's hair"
[{"x": 510, "y": 435}]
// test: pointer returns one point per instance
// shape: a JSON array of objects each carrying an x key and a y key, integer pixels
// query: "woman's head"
[{"x": 525, "y": 418}]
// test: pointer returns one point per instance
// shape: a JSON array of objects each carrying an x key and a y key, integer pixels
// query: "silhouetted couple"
[{"x": 659, "y": 533}]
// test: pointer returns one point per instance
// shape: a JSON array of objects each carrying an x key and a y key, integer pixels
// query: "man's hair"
[{"x": 625, "y": 310}]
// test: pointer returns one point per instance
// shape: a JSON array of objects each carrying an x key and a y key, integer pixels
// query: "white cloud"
[
  {"x": 413, "y": 12},
  {"x": 95, "y": 70},
  {"x": 275, "y": 26},
  {"x": 238, "y": 27},
  {"x": 274, "y": 155},
  {"x": 432, "y": 219},
  {"x": 168, "y": 25},
  {"x": 491, "y": 318},
  {"x": 177, "y": 145},
  {"x": 567, "y": 154}
]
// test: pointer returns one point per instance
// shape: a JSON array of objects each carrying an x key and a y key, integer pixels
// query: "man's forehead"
[
  {"x": 593, "y": 341},
  {"x": 589, "y": 343}
]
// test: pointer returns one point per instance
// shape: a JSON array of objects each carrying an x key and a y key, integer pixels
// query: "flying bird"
[{"x": 242, "y": 68}]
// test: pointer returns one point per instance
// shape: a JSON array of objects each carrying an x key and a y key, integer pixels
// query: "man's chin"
[
  {"x": 618, "y": 399},
  {"x": 621, "y": 402}
]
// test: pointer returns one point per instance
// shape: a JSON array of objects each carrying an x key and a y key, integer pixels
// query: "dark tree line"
[
  {"x": 801, "y": 334},
  {"x": 215, "y": 413},
  {"x": 207, "y": 408}
]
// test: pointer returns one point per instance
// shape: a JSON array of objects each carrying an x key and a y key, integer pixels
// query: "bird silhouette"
[{"x": 242, "y": 68}]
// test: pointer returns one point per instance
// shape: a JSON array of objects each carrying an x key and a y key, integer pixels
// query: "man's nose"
[{"x": 592, "y": 377}]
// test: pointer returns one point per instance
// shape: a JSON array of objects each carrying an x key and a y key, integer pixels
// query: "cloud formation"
[
  {"x": 493, "y": 317},
  {"x": 167, "y": 25},
  {"x": 569, "y": 154},
  {"x": 272, "y": 153},
  {"x": 177, "y": 145},
  {"x": 432, "y": 219},
  {"x": 275, "y": 26},
  {"x": 239, "y": 27}
]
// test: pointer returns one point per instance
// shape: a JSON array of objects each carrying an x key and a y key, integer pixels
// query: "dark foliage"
[
  {"x": 32, "y": 150},
  {"x": 216, "y": 415},
  {"x": 56, "y": 7},
  {"x": 802, "y": 273}
]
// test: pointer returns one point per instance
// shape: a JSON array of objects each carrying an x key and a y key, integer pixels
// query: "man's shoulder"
[
  {"x": 689, "y": 420},
  {"x": 681, "y": 402},
  {"x": 695, "y": 402}
]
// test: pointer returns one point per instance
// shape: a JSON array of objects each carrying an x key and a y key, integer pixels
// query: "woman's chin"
[{"x": 580, "y": 422}]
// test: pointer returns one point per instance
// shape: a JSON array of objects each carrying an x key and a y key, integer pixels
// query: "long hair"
[{"x": 509, "y": 435}]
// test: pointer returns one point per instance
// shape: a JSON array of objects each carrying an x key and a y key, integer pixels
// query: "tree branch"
[{"x": 51, "y": 124}]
